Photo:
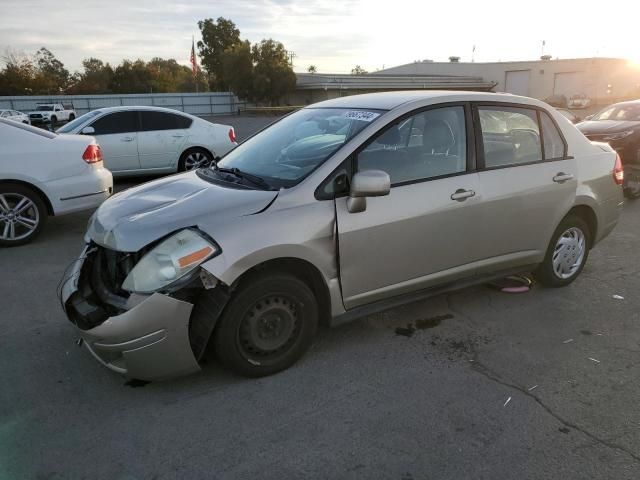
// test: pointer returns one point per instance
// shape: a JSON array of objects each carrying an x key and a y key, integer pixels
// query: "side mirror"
[
  {"x": 88, "y": 131},
  {"x": 368, "y": 183},
  {"x": 588, "y": 117}
]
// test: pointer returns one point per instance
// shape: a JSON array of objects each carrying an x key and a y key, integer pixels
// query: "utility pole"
[{"x": 291, "y": 56}]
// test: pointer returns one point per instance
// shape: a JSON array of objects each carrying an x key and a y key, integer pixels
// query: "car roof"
[
  {"x": 391, "y": 100},
  {"x": 140, "y": 107}
]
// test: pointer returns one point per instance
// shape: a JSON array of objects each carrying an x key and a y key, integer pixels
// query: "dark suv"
[{"x": 619, "y": 126}]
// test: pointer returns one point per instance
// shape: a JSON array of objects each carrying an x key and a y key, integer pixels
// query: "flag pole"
[{"x": 195, "y": 71}]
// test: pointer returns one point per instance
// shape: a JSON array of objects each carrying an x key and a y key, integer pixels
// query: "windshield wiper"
[{"x": 257, "y": 181}]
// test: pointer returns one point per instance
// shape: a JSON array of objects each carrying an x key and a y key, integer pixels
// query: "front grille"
[{"x": 35, "y": 115}]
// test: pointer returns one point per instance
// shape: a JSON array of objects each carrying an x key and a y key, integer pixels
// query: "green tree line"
[{"x": 259, "y": 72}]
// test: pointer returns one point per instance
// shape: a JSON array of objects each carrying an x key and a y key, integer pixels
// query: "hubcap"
[
  {"x": 569, "y": 253},
  {"x": 269, "y": 328},
  {"x": 19, "y": 216},
  {"x": 196, "y": 160}
]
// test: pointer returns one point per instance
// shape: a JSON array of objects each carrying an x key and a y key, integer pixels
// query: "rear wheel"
[
  {"x": 567, "y": 253},
  {"x": 193, "y": 159},
  {"x": 22, "y": 215},
  {"x": 267, "y": 325}
]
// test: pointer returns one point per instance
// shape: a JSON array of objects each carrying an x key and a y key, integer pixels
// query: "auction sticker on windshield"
[{"x": 361, "y": 115}]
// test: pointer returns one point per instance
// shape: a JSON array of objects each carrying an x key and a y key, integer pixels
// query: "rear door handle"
[
  {"x": 126, "y": 139},
  {"x": 562, "y": 177},
  {"x": 177, "y": 136},
  {"x": 461, "y": 194}
]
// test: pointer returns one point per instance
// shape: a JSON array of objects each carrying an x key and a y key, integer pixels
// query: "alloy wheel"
[
  {"x": 19, "y": 216},
  {"x": 569, "y": 252},
  {"x": 196, "y": 160}
]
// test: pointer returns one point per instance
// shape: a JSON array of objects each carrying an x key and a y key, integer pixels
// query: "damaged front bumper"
[{"x": 142, "y": 337}]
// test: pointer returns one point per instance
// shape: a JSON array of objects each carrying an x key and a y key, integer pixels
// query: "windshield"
[
  {"x": 44, "y": 108},
  {"x": 619, "y": 112},
  {"x": 292, "y": 148},
  {"x": 69, "y": 127}
]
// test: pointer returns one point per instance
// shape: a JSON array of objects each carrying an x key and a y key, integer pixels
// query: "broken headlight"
[{"x": 170, "y": 260}]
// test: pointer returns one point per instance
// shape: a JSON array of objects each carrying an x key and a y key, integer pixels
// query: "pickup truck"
[{"x": 52, "y": 113}]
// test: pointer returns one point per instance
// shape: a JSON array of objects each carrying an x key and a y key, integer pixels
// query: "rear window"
[
  {"x": 29, "y": 128},
  {"x": 152, "y": 120}
]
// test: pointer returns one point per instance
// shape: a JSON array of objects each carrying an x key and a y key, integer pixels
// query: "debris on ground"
[
  {"x": 532, "y": 388},
  {"x": 513, "y": 284},
  {"x": 618, "y": 297},
  {"x": 569, "y": 340},
  {"x": 407, "y": 331},
  {"x": 594, "y": 360},
  {"x": 508, "y": 400}
]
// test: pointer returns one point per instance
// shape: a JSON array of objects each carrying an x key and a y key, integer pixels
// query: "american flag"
[{"x": 194, "y": 62}]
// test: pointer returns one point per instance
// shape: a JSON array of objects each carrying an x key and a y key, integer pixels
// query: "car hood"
[
  {"x": 606, "y": 126},
  {"x": 138, "y": 216}
]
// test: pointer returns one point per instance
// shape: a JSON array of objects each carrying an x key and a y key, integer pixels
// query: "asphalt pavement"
[{"x": 477, "y": 384}]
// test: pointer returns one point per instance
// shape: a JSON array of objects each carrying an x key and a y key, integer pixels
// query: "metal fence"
[{"x": 207, "y": 103}]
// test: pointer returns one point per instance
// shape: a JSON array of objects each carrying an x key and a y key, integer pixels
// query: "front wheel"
[
  {"x": 22, "y": 215},
  {"x": 71, "y": 117},
  {"x": 267, "y": 325},
  {"x": 567, "y": 253}
]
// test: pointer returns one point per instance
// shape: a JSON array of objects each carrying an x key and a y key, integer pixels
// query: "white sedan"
[
  {"x": 153, "y": 140},
  {"x": 41, "y": 174},
  {"x": 15, "y": 116}
]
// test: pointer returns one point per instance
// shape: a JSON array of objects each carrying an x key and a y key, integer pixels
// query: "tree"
[
  {"x": 16, "y": 78},
  {"x": 217, "y": 36},
  {"x": 51, "y": 76},
  {"x": 358, "y": 70},
  {"x": 237, "y": 68},
  {"x": 312, "y": 69},
  {"x": 96, "y": 78},
  {"x": 132, "y": 77},
  {"x": 273, "y": 76}
]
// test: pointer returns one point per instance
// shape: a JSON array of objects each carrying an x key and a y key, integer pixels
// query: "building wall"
[{"x": 602, "y": 79}]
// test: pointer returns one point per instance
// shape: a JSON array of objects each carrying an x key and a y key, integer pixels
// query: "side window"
[
  {"x": 337, "y": 183},
  {"x": 118, "y": 122},
  {"x": 510, "y": 136},
  {"x": 553, "y": 145},
  {"x": 429, "y": 144},
  {"x": 152, "y": 121}
]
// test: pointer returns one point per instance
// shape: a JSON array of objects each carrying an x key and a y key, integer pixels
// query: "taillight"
[
  {"x": 232, "y": 135},
  {"x": 618, "y": 171},
  {"x": 92, "y": 154}
]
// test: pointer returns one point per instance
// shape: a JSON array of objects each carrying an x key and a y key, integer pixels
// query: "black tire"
[
  {"x": 72, "y": 117},
  {"x": 545, "y": 273},
  {"x": 197, "y": 154},
  {"x": 25, "y": 122},
  {"x": 277, "y": 305},
  {"x": 632, "y": 193},
  {"x": 11, "y": 194},
  {"x": 54, "y": 120}
]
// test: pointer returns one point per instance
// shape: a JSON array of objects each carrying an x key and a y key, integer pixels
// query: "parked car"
[
  {"x": 406, "y": 197},
  {"x": 579, "y": 101},
  {"x": 619, "y": 126},
  {"x": 153, "y": 140},
  {"x": 52, "y": 113},
  {"x": 42, "y": 174},
  {"x": 569, "y": 115},
  {"x": 15, "y": 116}
]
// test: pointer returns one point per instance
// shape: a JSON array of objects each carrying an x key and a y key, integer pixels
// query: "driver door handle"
[
  {"x": 177, "y": 136},
  {"x": 562, "y": 177},
  {"x": 126, "y": 139},
  {"x": 461, "y": 194}
]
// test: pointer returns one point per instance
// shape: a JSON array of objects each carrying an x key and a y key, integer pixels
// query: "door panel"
[
  {"x": 400, "y": 241},
  {"x": 118, "y": 138},
  {"x": 525, "y": 196},
  {"x": 161, "y": 139}
]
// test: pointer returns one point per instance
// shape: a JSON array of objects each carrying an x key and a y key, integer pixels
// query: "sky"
[{"x": 333, "y": 35}]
